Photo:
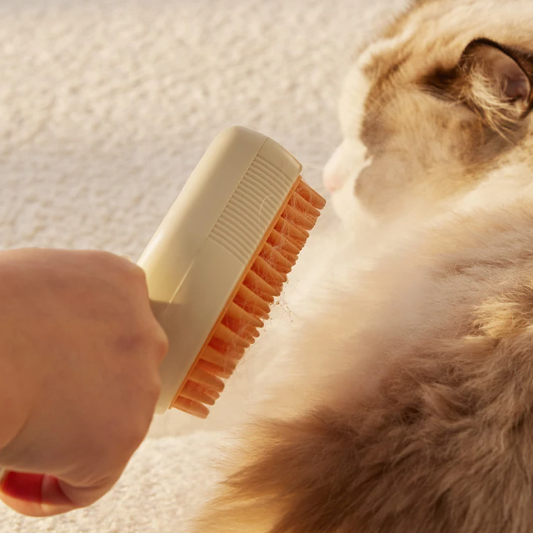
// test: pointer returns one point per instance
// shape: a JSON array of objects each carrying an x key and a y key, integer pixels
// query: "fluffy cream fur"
[{"x": 407, "y": 402}]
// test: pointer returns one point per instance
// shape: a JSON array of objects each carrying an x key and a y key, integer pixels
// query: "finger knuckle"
[
  {"x": 132, "y": 342},
  {"x": 161, "y": 346},
  {"x": 104, "y": 257},
  {"x": 154, "y": 388},
  {"x": 138, "y": 433},
  {"x": 135, "y": 271},
  {"x": 120, "y": 265},
  {"x": 134, "y": 434},
  {"x": 131, "y": 272},
  {"x": 151, "y": 340}
]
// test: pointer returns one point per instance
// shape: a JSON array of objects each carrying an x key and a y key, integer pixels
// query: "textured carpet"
[
  {"x": 158, "y": 493},
  {"x": 105, "y": 108}
]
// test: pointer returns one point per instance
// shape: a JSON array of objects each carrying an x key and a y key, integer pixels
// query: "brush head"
[
  {"x": 221, "y": 258},
  {"x": 244, "y": 316}
]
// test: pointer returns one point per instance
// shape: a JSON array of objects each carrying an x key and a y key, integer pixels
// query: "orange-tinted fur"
[{"x": 415, "y": 410}]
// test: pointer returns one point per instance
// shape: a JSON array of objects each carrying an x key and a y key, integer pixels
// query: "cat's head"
[{"x": 433, "y": 107}]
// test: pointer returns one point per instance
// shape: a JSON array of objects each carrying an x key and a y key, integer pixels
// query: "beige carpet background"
[{"x": 105, "y": 108}]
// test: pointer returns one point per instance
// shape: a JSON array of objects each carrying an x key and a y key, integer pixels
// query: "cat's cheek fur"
[
  {"x": 352, "y": 103},
  {"x": 340, "y": 176},
  {"x": 349, "y": 209},
  {"x": 500, "y": 187}
]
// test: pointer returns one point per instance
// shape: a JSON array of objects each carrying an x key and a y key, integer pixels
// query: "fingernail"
[
  {"x": 35, "y": 488},
  {"x": 26, "y": 487}
]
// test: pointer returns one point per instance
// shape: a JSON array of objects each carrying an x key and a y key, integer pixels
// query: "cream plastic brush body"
[{"x": 220, "y": 257}]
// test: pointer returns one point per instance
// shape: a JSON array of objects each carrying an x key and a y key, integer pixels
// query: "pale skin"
[{"x": 79, "y": 375}]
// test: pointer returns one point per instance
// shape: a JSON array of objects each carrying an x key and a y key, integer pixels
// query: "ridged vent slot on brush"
[
  {"x": 251, "y": 209},
  {"x": 284, "y": 235}
]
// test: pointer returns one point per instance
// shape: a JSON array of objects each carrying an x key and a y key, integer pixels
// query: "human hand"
[{"x": 79, "y": 357}]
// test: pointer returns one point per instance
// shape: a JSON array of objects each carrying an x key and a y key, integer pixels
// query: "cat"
[{"x": 408, "y": 407}]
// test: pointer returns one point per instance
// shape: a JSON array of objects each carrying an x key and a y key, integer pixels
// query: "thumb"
[{"x": 42, "y": 495}]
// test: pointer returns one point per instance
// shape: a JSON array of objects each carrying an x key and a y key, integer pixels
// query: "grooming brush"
[{"x": 220, "y": 259}]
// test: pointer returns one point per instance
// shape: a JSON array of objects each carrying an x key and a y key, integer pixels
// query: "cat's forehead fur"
[{"x": 435, "y": 32}]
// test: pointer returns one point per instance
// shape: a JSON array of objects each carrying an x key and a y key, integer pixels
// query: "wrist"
[
  {"x": 13, "y": 410},
  {"x": 15, "y": 389}
]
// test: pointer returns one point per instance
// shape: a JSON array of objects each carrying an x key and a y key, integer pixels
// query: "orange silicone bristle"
[{"x": 239, "y": 324}]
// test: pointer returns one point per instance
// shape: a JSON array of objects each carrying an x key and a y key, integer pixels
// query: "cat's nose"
[
  {"x": 332, "y": 182},
  {"x": 332, "y": 175}
]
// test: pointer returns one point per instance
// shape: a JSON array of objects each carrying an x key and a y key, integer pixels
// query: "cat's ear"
[
  {"x": 495, "y": 81},
  {"x": 495, "y": 76}
]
